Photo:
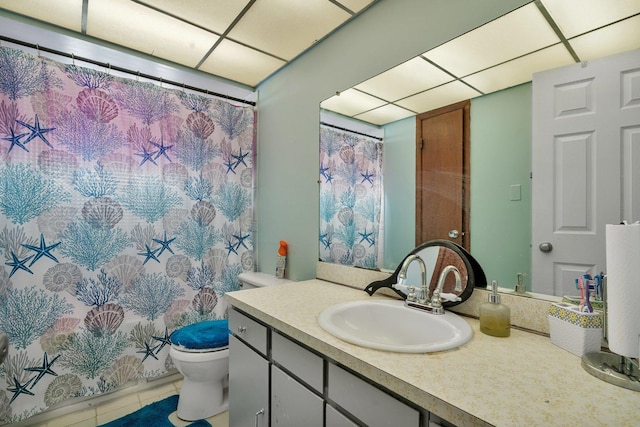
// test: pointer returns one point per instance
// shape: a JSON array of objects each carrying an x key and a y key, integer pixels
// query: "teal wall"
[
  {"x": 398, "y": 159},
  {"x": 388, "y": 33},
  {"x": 500, "y": 158}
]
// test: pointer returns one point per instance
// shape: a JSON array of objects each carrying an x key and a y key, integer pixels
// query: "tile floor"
[{"x": 120, "y": 406}]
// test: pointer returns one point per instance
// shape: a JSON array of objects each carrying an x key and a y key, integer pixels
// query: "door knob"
[
  {"x": 454, "y": 234},
  {"x": 545, "y": 247}
]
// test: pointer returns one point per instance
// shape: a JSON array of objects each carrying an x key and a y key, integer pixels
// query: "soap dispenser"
[{"x": 495, "y": 317}]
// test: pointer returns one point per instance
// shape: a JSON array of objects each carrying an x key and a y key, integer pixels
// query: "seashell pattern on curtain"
[{"x": 125, "y": 213}]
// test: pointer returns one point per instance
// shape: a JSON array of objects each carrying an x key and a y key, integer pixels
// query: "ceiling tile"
[
  {"x": 64, "y": 13},
  {"x": 449, "y": 93},
  {"x": 215, "y": 15},
  {"x": 520, "y": 70},
  {"x": 617, "y": 38},
  {"x": 385, "y": 114},
  {"x": 155, "y": 34},
  {"x": 239, "y": 63},
  {"x": 517, "y": 33},
  {"x": 405, "y": 79},
  {"x": 351, "y": 102},
  {"x": 576, "y": 17},
  {"x": 355, "y": 5},
  {"x": 285, "y": 28}
]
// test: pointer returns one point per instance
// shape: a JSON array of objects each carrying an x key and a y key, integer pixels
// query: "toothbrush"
[{"x": 587, "y": 308}]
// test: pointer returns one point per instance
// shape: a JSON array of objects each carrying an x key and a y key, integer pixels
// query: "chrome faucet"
[
  {"x": 436, "y": 301},
  {"x": 431, "y": 304},
  {"x": 402, "y": 275}
]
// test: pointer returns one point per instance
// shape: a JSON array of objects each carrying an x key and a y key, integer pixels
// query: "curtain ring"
[
  {"x": 38, "y": 49},
  {"x": 73, "y": 59},
  {"x": 138, "y": 76}
]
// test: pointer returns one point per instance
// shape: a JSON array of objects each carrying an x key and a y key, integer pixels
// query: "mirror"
[
  {"x": 438, "y": 254},
  {"x": 500, "y": 158},
  {"x": 482, "y": 66}
]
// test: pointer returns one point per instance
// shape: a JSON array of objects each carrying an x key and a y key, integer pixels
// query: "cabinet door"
[
  {"x": 293, "y": 405},
  {"x": 367, "y": 403},
  {"x": 336, "y": 419},
  {"x": 248, "y": 386}
]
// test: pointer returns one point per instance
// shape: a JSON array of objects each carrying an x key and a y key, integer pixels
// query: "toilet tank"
[{"x": 254, "y": 279}]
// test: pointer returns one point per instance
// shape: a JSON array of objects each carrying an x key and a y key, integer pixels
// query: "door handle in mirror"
[{"x": 453, "y": 234}]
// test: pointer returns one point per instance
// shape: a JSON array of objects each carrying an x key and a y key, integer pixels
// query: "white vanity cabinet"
[{"x": 274, "y": 381}]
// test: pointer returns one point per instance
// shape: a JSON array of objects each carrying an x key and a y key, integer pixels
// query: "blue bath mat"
[{"x": 155, "y": 414}]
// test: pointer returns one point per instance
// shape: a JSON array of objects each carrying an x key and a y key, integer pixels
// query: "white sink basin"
[{"x": 390, "y": 326}]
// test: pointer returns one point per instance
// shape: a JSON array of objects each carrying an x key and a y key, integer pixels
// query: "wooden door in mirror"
[{"x": 442, "y": 174}]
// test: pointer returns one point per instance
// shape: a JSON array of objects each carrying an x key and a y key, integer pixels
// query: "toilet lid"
[{"x": 202, "y": 336}]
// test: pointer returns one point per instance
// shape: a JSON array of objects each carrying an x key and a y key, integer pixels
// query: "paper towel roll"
[{"x": 623, "y": 289}]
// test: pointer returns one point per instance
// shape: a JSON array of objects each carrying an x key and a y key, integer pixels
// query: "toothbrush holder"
[{"x": 574, "y": 331}]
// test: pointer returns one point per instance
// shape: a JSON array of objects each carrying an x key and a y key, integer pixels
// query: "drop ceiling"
[
  {"x": 505, "y": 52},
  {"x": 244, "y": 41}
]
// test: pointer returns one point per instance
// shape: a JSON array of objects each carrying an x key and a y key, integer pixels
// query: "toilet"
[
  {"x": 200, "y": 352},
  {"x": 256, "y": 279}
]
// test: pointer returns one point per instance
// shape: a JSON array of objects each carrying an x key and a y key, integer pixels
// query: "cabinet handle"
[
  {"x": 242, "y": 329},
  {"x": 260, "y": 412}
]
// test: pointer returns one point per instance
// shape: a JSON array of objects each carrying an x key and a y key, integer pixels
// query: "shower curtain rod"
[
  {"x": 123, "y": 70},
  {"x": 352, "y": 131}
]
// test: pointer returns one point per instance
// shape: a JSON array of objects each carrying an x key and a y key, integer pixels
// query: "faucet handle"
[
  {"x": 436, "y": 301},
  {"x": 412, "y": 294}
]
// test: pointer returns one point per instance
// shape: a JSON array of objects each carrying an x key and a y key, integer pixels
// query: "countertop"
[{"x": 516, "y": 381}]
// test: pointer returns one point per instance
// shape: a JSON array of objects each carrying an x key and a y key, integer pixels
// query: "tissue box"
[{"x": 574, "y": 331}]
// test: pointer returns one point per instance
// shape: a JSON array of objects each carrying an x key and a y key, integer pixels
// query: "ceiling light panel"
[
  {"x": 64, "y": 13},
  {"x": 576, "y": 17},
  {"x": 616, "y": 38},
  {"x": 385, "y": 114},
  {"x": 285, "y": 28},
  {"x": 517, "y": 33},
  {"x": 240, "y": 63},
  {"x": 415, "y": 75},
  {"x": 356, "y": 5},
  {"x": 214, "y": 15},
  {"x": 520, "y": 70},
  {"x": 351, "y": 102},
  {"x": 140, "y": 28},
  {"x": 449, "y": 93}
]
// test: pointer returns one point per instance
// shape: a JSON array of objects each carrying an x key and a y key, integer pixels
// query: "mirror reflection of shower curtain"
[{"x": 350, "y": 198}]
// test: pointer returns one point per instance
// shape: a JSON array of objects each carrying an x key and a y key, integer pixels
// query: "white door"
[{"x": 585, "y": 165}]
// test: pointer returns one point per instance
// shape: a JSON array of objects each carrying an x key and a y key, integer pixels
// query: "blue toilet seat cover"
[{"x": 210, "y": 334}]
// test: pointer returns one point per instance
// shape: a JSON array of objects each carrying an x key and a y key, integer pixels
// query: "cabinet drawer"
[
  {"x": 298, "y": 360},
  {"x": 249, "y": 330},
  {"x": 367, "y": 403}
]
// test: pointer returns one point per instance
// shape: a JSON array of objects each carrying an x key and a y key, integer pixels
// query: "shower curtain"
[
  {"x": 350, "y": 198},
  {"x": 125, "y": 213}
]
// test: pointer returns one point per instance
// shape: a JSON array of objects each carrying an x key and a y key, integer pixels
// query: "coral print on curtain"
[
  {"x": 125, "y": 213},
  {"x": 350, "y": 198}
]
